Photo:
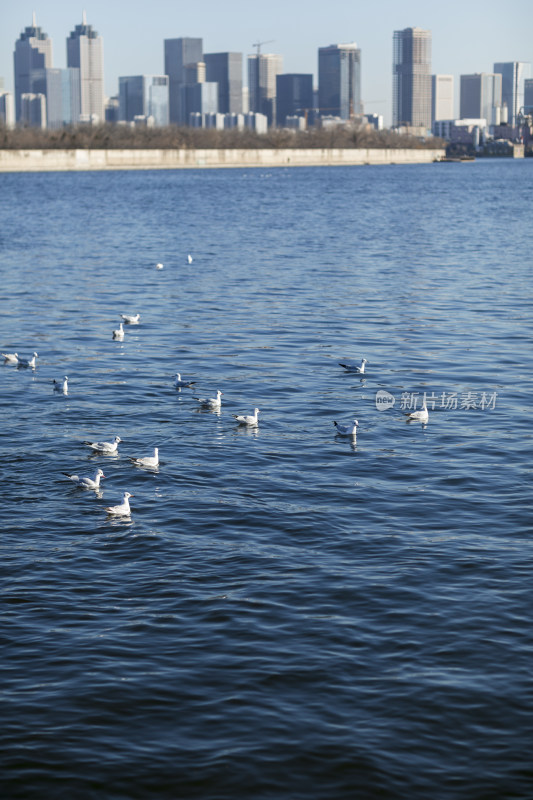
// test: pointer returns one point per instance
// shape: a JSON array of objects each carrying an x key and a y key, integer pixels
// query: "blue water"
[{"x": 285, "y": 613}]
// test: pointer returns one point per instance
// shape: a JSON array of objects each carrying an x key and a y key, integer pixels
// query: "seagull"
[
  {"x": 211, "y": 402},
  {"x": 353, "y": 367},
  {"x": 247, "y": 419},
  {"x": 347, "y": 430},
  {"x": 182, "y": 384},
  {"x": 105, "y": 447},
  {"x": 28, "y": 362},
  {"x": 419, "y": 416},
  {"x": 131, "y": 319},
  {"x": 159, "y": 266},
  {"x": 123, "y": 509},
  {"x": 189, "y": 258},
  {"x": 10, "y": 358},
  {"x": 61, "y": 387},
  {"x": 119, "y": 334},
  {"x": 87, "y": 483},
  {"x": 147, "y": 461}
]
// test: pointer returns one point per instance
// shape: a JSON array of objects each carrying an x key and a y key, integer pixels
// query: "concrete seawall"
[{"x": 82, "y": 160}]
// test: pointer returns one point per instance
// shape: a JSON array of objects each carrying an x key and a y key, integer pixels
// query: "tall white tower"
[{"x": 85, "y": 50}]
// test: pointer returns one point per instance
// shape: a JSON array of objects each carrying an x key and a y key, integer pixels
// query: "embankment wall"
[{"x": 82, "y": 160}]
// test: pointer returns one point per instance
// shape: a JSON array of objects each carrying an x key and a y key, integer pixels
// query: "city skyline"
[{"x": 480, "y": 34}]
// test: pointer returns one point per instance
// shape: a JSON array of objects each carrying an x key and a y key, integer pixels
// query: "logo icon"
[{"x": 384, "y": 400}]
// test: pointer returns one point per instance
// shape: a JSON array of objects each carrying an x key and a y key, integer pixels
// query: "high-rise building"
[
  {"x": 528, "y": 96},
  {"x": 441, "y": 97},
  {"x": 481, "y": 97},
  {"x": 7, "y": 110},
  {"x": 262, "y": 71},
  {"x": 513, "y": 75},
  {"x": 294, "y": 96},
  {"x": 180, "y": 55},
  {"x": 339, "y": 81},
  {"x": 61, "y": 87},
  {"x": 411, "y": 101},
  {"x": 226, "y": 70},
  {"x": 33, "y": 109},
  {"x": 199, "y": 98},
  {"x": 33, "y": 53},
  {"x": 85, "y": 51},
  {"x": 144, "y": 96}
]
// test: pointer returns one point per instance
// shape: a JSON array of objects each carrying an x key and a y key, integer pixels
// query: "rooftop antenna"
[
  {"x": 33, "y": 20},
  {"x": 258, "y": 45},
  {"x": 84, "y": 18}
]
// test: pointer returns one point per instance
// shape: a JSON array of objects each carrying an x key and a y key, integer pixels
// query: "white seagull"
[
  {"x": 419, "y": 416},
  {"x": 147, "y": 461},
  {"x": 105, "y": 447},
  {"x": 247, "y": 419},
  {"x": 61, "y": 387},
  {"x": 28, "y": 362},
  {"x": 350, "y": 367},
  {"x": 119, "y": 333},
  {"x": 10, "y": 358},
  {"x": 87, "y": 483},
  {"x": 123, "y": 509},
  {"x": 182, "y": 384},
  {"x": 189, "y": 258},
  {"x": 159, "y": 266},
  {"x": 211, "y": 402},
  {"x": 131, "y": 319},
  {"x": 347, "y": 430}
]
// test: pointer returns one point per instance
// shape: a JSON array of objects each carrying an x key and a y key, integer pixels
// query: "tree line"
[{"x": 124, "y": 137}]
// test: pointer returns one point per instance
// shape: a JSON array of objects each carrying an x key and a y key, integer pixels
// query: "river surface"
[{"x": 286, "y": 612}]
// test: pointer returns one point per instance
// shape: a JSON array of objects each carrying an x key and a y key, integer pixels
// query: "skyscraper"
[
  {"x": 144, "y": 96},
  {"x": 339, "y": 80},
  {"x": 85, "y": 51},
  {"x": 481, "y": 97},
  {"x": 441, "y": 97},
  {"x": 180, "y": 54},
  {"x": 262, "y": 71},
  {"x": 61, "y": 87},
  {"x": 226, "y": 70},
  {"x": 411, "y": 101},
  {"x": 294, "y": 96},
  {"x": 528, "y": 95},
  {"x": 33, "y": 53},
  {"x": 513, "y": 75}
]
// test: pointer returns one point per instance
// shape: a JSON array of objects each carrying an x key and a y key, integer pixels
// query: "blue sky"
[{"x": 468, "y": 36}]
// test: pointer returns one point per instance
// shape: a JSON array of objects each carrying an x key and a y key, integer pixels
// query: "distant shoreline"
[{"x": 81, "y": 160}]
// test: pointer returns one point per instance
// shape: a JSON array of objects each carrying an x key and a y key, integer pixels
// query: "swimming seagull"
[
  {"x": 87, "y": 483},
  {"x": 28, "y": 362},
  {"x": 189, "y": 258},
  {"x": 211, "y": 402},
  {"x": 350, "y": 367},
  {"x": 347, "y": 430},
  {"x": 182, "y": 384},
  {"x": 10, "y": 358},
  {"x": 147, "y": 461},
  {"x": 159, "y": 266},
  {"x": 119, "y": 333},
  {"x": 419, "y": 416},
  {"x": 247, "y": 419},
  {"x": 123, "y": 509},
  {"x": 105, "y": 447},
  {"x": 61, "y": 387},
  {"x": 131, "y": 319}
]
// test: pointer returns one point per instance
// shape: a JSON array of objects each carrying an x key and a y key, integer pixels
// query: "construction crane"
[{"x": 258, "y": 45}]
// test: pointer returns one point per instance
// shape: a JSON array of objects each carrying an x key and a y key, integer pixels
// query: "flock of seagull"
[{"x": 211, "y": 403}]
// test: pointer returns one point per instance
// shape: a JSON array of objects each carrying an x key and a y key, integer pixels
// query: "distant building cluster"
[{"x": 206, "y": 90}]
